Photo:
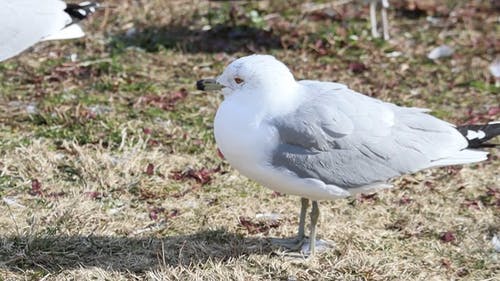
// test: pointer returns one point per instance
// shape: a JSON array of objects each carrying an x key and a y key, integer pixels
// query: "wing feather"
[
  {"x": 351, "y": 140},
  {"x": 25, "y": 22}
]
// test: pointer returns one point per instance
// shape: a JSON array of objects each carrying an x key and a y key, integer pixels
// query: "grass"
[{"x": 109, "y": 170}]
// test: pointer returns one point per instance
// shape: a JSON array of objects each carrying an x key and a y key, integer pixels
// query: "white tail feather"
[
  {"x": 462, "y": 157},
  {"x": 69, "y": 32}
]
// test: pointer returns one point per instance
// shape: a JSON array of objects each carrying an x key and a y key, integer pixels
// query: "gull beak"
[{"x": 208, "y": 85}]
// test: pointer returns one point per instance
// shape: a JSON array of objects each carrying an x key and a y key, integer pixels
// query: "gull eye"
[{"x": 238, "y": 80}]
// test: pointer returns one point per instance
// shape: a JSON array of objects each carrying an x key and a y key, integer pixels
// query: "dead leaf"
[
  {"x": 258, "y": 227},
  {"x": 202, "y": 176},
  {"x": 447, "y": 237},
  {"x": 36, "y": 188},
  {"x": 405, "y": 200},
  {"x": 357, "y": 67},
  {"x": 95, "y": 195},
  {"x": 367, "y": 197},
  {"x": 150, "y": 169}
]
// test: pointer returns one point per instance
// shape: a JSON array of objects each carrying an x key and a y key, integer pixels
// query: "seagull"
[
  {"x": 373, "y": 18},
  {"x": 24, "y": 23},
  {"x": 324, "y": 141}
]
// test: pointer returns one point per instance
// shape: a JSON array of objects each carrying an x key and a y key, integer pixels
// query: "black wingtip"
[
  {"x": 200, "y": 85},
  {"x": 478, "y": 134},
  {"x": 81, "y": 11}
]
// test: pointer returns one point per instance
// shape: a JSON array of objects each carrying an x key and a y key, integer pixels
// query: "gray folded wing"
[
  {"x": 25, "y": 22},
  {"x": 350, "y": 140}
]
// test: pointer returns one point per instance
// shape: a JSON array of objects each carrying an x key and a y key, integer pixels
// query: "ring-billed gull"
[
  {"x": 23, "y": 23},
  {"x": 322, "y": 140}
]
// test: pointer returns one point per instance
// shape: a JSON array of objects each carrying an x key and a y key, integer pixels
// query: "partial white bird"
[
  {"x": 311, "y": 7},
  {"x": 373, "y": 18},
  {"x": 322, "y": 140},
  {"x": 24, "y": 23}
]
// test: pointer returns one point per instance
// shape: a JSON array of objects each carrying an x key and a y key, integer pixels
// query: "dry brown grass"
[{"x": 121, "y": 194}]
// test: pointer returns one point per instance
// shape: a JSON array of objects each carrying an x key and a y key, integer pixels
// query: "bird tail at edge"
[{"x": 478, "y": 135}]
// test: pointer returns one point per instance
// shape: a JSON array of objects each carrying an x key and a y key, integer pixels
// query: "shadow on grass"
[
  {"x": 221, "y": 38},
  {"x": 55, "y": 253}
]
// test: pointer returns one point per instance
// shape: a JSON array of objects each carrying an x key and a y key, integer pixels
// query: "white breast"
[
  {"x": 247, "y": 142},
  {"x": 244, "y": 140}
]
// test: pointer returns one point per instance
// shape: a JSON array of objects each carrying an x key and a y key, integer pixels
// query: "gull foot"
[
  {"x": 300, "y": 247},
  {"x": 321, "y": 246},
  {"x": 289, "y": 244}
]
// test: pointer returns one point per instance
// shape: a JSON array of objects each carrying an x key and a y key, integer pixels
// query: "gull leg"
[
  {"x": 314, "y": 221},
  {"x": 296, "y": 243},
  {"x": 302, "y": 219},
  {"x": 373, "y": 19},
  {"x": 306, "y": 246},
  {"x": 385, "y": 21}
]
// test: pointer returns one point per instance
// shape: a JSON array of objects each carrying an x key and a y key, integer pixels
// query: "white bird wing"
[
  {"x": 351, "y": 140},
  {"x": 72, "y": 31},
  {"x": 25, "y": 22}
]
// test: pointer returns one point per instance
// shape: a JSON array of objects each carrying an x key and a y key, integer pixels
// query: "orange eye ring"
[{"x": 238, "y": 80}]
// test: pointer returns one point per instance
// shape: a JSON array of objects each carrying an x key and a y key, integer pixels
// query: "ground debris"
[
  {"x": 496, "y": 243},
  {"x": 202, "y": 176},
  {"x": 156, "y": 213},
  {"x": 490, "y": 115},
  {"x": 447, "y": 236},
  {"x": 372, "y": 197},
  {"x": 166, "y": 101},
  {"x": 357, "y": 67},
  {"x": 254, "y": 227},
  {"x": 440, "y": 52},
  {"x": 67, "y": 70},
  {"x": 12, "y": 202},
  {"x": 95, "y": 195},
  {"x": 36, "y": 188},
  {"x": 415, "y": 8},
  {"x": 150, "y": 169}
]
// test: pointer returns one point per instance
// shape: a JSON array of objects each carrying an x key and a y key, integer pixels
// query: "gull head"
[{"x": 252, "y": 75}]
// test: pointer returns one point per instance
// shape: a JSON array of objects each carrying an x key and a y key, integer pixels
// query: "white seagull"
[
  {"x": 24, "y": 23},
  {"x": 322, "y": 140}
]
